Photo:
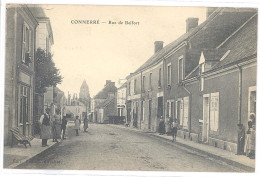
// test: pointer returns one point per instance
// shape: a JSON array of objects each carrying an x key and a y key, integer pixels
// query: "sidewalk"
[
  {"x": 18, "y": 154},
  {"x": 239, "y": 161}
]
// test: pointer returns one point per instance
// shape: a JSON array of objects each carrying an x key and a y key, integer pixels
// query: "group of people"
[
  {"x": 170, "y": 128},
  {"x": 77, "y": 123},
  {"x": 52, "y": 126},
  {"x": 246, "y": 140}
]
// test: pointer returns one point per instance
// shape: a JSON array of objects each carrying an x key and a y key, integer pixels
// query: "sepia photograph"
[{"x": 129, "y": 88}]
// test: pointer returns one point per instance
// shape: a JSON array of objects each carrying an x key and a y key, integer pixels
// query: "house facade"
[
  {"x": 19, "y": 73},
  {"x": 104, "y": 104},
  {"x": 201, "y": 71},
  {"x": 121, "y": 100}
]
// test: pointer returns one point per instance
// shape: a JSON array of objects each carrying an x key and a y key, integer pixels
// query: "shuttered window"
[{"x": 214, "y": 111}]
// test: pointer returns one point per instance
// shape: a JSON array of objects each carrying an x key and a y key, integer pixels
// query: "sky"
[{"x": 100, "y": 52}]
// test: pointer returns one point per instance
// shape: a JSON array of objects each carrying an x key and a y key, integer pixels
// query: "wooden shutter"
[{"x": 185, "y": 112}]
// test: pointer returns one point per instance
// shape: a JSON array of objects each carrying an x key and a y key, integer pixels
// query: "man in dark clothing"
[{"x": 63, "y": 126}]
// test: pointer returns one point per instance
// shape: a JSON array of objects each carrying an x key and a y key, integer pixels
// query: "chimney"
[
  {"x": 108, "y": 81},
  {"x": 158, "y": 45},
  {"x": 191, "y": 23}
]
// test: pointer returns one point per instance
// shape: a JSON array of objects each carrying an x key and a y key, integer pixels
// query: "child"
[{"x": 77, "y": 125}]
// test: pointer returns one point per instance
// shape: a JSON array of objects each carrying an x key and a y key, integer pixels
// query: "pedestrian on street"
[
  {"x": 161, "y": 127},
  {"x": 56, "y": 125},
  {"x": 250, "y": 137},
  {"x": 241, "y": 139},
  {"x": 85, "y": 123},
  {"x": 45, "y": 127},
  {"x": 174, "y": 129},
  {"x": 77, "y": 125},
  {"x": 63, "y": 127}
]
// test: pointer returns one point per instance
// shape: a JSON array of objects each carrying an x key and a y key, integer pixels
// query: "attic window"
[{"x": 225, "y": 55}]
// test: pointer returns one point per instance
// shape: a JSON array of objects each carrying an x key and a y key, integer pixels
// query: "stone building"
[
  {"x": 202, "y": 79},
  {"x": 19, "y": 70}
]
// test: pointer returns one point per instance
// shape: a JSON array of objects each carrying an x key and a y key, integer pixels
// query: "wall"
[{"x": 228, "y": 95}]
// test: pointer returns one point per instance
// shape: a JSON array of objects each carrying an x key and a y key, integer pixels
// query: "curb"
[
  {"x": 15, "y": 165},
  {"x": 228, "y": 161}
]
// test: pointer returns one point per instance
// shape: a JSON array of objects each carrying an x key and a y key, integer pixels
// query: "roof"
[
  {"x": 39, "y": 13},
  {"x": 103, "y": 94},
  {"x": 158, "y": 55},
  {"x": 214, "y": 30},
  {"x": 242, "y": 45},
  {"x": 106, "y": 102}
]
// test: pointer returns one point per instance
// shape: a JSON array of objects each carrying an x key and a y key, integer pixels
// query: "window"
[
  {"x": 129, "y": 88},
  {"x": 143, "y": 83},
  {"x": 160, "y": 78},
  {"x": 170, "y": 108},
  {"x": 47, "y": 46},
  {"x": 26, "y": 45},
  {"x": 169, "y": 74},
  {"x": 150, "y": 81},
  {"x": 180, "y": 70},
  {"x": 185, "y": 112},
  {"x": 134, "y": 86},
  {"x": 214, "y": 111},
  {"x": 251, "y": 100},
  {"x": 201, "y": 84},
  {"x": 142, "y": 110},
  {"x": 24, "y": 105}
]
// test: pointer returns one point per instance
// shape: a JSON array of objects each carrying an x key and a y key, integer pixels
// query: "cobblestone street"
[{"x": 105, "y": 147}]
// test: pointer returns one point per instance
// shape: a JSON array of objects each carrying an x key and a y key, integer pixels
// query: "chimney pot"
[
  {"x": 158, "y": 45},
  {"x": 191, "y": 23}
]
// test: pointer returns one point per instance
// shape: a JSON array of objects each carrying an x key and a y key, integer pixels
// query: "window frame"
[
  {"x": 180, "y": 59},
  {"x": 169, "y": 74}
]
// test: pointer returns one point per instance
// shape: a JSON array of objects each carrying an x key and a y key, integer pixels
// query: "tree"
[{"x": 46, "y": 74}]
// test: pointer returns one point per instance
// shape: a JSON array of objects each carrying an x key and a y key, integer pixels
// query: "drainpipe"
[
  {"x": 239, "y": 93},
  {"x": 239, "y": 106},
  {"x": 164, "y": 73}
]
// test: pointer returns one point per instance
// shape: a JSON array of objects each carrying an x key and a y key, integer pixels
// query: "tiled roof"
[
  {"x": 103, "y": 94},
  {"x": 158, "y": 55},
  {"x": 242, "y": 45},
  {"x": 106, "y": 102}
]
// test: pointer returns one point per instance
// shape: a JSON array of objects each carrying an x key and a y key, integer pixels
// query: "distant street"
[{"x": 105, "y": 147}]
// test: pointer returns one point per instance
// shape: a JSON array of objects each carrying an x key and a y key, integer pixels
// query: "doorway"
[{"x": 149, "y": 114}]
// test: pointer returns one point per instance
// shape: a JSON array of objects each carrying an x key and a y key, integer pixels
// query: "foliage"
[{"x": 46, "y": 74}]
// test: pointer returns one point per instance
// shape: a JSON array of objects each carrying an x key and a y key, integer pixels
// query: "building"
[
  {"x": 44, "y": 40},
  {"x": 74, "y": 107},
  {"x": 19, "y": 70},
  {"x": 104, "y": 104},
  {"x": 121, "y": 101},
  {"x": 84, "y": 96},
  {"x": 187, "y": 79}
]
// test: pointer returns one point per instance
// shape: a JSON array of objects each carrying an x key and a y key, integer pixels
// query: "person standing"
[
  {"x": 241, "y": 139},
  {"x": 161, "y": 127},
  {"x": 63, "y": 127},
  {"x": 56, "y": 125},
  {"x": 45, "y": 127},
  {"x": 174, "y": 129},
  {"x": 85, "y": 123},
  {"x": 77, "y": 125},
  {"x": 250, "y": 137}
]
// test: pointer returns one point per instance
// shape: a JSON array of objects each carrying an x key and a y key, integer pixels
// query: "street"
[{"x": 105, "y": 147}]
